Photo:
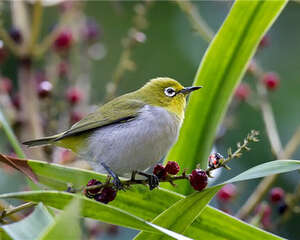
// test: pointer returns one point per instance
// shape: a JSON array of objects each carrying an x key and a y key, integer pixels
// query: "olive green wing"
[{"x": 116, "y": 111}]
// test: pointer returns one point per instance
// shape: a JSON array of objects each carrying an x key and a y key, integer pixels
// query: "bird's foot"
[
  {"x": 153, "y": 180},
  {"x": 116, "y": 181}
]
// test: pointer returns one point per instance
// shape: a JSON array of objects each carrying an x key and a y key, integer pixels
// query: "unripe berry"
[
  {"x": 107, "y": 195},
  {"x": 276, "y": 194},
  {"x": 16, "y": 35},
  {"x": 5, "y": 85},
  {"x": 91, "y": 193},
  {"x": 63, "y": 41},
  {"x": 160, "y": 171},
  {"x": 214, "y": 160},
  {"x": 242, "y": 92},
  {"x": 271, "y": 80},
  {"x": 172, "y": 167},
  {"x": 226, "y": 193},
  {"x": 198, "y": 179},
  {"x": 74, "y": 95},
  {"x": 44, "y": 89}
]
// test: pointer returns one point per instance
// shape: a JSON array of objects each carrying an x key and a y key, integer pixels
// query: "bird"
[{"x": 130, "y": 133}]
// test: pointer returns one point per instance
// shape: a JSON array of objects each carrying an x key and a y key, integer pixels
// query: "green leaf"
[
  {"x": 220, "y": 71},
  {"x": 147, "y": 205},
  {"x": 66, "y": 225},
  {"x": 30, "y": 227},
  {"x": 266, "y": 169},
  {"x": 92, "y": 209},
  {"x": 11, "y": 136},
  {"x": 182, "y": 214}
]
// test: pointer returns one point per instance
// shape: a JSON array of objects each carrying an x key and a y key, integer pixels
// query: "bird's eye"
[{"x": 170, "y": 92}]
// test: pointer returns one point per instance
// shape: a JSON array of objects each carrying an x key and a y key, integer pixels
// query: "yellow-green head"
[{"x": 166, "y": 93}]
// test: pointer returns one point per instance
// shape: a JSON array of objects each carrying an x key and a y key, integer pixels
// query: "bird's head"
[{"x": 166, "y": 93}]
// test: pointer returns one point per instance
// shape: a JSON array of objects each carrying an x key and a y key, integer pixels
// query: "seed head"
[{"x": 172, "y": 167}]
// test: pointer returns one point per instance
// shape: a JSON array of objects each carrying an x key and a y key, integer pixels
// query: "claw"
[
  {"x": 117, "y": 182},
  {"x": 153, "y": 180}
]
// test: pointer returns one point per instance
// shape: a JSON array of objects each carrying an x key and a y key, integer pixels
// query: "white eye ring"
[{"x": 170, "y": 92}]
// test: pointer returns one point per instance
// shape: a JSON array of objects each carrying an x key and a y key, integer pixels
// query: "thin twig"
[
  {"x": 36, "y": 25},
  {"x": 8, "y": 212}
]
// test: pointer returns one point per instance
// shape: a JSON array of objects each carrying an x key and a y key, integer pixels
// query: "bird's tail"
[{"x": 42, "y": 141}]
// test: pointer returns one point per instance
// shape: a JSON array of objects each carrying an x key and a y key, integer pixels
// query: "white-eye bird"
[{"x": 129, "y": 133}]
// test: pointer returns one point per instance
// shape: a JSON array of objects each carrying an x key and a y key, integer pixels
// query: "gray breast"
[{"x": 134, "y": 145}]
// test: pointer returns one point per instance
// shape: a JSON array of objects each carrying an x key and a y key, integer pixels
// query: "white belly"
[{"x": 133, "y": 145}]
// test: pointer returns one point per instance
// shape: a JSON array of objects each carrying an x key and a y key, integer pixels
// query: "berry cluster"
[
  {"x": 161, "y": 171},
  {"x": 104, "y": 194}
]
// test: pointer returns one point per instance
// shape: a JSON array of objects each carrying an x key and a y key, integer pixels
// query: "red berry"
[
  {"x": 282, "y": 208},
  {"x": 242, "y": 92},
  {"x": 160, "y": 171},
  {"x": 5, "y": 85},
  {"x": 264, "y": 42},
  {"x": 44, "y": 89},
  {"x": 172, "y": 167},
  {"x": 74, "y": 95},
  {"x": 226, "y": 193},
  {"x": 91, "y": 192},
  {"x": 214, "y": 160},
  {"x": 276, "y": 194},
  {"x": 16, "y": 35},
  {"x": 107, "y": 195},
  {"x": 75, "y": 117},
  {"x": 63, "y": 41},
  {"x": 265, "y": 211},
  {"x": 198, "y": 179},
  {"x": 271, "y": 80},
  {"x": 63, "y": 69}
]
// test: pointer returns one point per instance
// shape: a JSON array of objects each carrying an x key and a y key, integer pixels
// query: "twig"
[
  {"x": 9, "y": 212},
  {"x": 196, "y": 20},
  {"x": 134, "y": 36},
  {"x": 13, "y": 216},
  {"x": 36, "y": 25},
  {"x": 276, "y": 146}
]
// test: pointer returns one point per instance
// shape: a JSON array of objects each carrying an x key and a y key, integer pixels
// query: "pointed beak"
[{"x": 188, "y": 90}]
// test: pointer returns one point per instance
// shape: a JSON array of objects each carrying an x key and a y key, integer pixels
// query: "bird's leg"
[
  {"x": 153, "y": 180},
  {"x": 117, "y": 182}
]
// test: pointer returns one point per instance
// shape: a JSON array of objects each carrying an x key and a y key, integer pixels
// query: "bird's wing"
[{"x": 115, "y": 111}]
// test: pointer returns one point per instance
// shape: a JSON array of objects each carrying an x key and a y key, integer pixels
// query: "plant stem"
[
  {"x": 36, "y": 25},
  {"x": 8, "y": 212}
]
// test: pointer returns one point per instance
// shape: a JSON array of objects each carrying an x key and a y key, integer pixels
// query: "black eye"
[{"x": 170, "y": 92}]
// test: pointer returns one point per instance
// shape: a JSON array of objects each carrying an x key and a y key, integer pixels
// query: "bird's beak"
[{"x": 188, "y": 90}]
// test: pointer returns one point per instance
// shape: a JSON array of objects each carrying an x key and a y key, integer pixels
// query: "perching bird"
[{"x": 131, "y": 132}]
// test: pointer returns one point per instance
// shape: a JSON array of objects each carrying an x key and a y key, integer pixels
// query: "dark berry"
[
  {"x": 92, "y": 182},
  {"x": 226, "y": 193},
  {"x": 282, "y": 208},
  {"x": 74, "y": 95},
  {"x": 264, "y": 42},
  {"x": 172, "y": 167},
  {"x": 44, "y": 89},
  {"x": 271, "y": 80},
  {"x": 91, "y": 30},
  {"x": 107, "y": 195},
  {"x": 63, "y": 41},
  {"x": 16, "y": 35},
  {"x": 214, "y": 160},
  {"x": 16, "y": 101},
  {"x": 75, "y": 117},
  {"x": 160, "y": 171},
  {"x": 276, "y": 194},
  {"x": 63, "y": 69},
  {"x": 242, "y": 92},
  {"x": 198, "y": 179},
  {"x": 5, "y": 85}
]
